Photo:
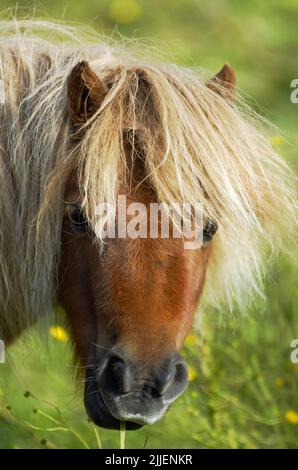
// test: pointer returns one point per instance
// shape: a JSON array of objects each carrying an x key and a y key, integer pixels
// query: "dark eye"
[
  {"x": 78, "y": 218},
  {"x": 209, "y": 230}
]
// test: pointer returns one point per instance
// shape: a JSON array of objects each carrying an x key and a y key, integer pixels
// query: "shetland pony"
[{"x": 82, "y": 122}]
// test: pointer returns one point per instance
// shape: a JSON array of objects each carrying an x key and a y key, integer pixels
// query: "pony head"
[
  {"x": 130, "y": 300},
  {"x": 92, "y": 125}
]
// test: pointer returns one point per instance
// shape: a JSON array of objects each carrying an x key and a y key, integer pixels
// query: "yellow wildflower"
[
  {"x": 277, "y": 140},
  {"x": 279, "y": 382},
  {"x": 191, "y": 339},
  {"x": 192, "y": 373},
  {"x": 59, "y": 333},
  {"x": 125, "y": 11},
  {"x": 292, "y": 417}
]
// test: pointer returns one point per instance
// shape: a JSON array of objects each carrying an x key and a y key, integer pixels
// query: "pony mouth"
[{"x": 97, "y": 410}]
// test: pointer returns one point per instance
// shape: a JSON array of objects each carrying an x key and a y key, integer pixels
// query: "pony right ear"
[
  {"x": 223, "y": 82},
  {"x": 85, "y": 92}
]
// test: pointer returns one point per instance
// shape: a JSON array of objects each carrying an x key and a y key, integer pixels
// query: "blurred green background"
[{"x": 244, "y": 389}]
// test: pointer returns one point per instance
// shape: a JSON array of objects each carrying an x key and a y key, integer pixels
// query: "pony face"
[
  {"x": 130, "y": 303},
  {"x": 130, "y": 306}
]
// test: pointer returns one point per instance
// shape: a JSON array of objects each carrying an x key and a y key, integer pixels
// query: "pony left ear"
[
  {"x": 85, "y": 92},
  {"x": 224, "y": 81}
]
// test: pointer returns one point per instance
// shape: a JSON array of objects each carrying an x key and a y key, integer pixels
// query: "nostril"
[
  {"x": 165, "y": 384},
  {"x": 181, "y": 375},
  {"x": 176, "y": 380},
  {"x": 116, "y": 376}
]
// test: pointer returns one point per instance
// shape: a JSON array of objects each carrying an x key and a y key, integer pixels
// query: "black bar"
[{"x": 146, "y": 458}]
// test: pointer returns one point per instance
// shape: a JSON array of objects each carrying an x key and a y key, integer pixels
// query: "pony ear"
[
  {"x": 85, "y": 92},
  {"x": 223, "y": 82}
]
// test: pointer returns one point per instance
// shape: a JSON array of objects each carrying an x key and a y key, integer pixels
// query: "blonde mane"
[{"x": 199, "y": 145}]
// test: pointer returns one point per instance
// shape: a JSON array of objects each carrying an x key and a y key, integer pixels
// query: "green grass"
[{"x": 244, "y": 382}]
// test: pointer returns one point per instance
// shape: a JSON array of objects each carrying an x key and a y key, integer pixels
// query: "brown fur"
[{"x": 140, "y": 293}]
